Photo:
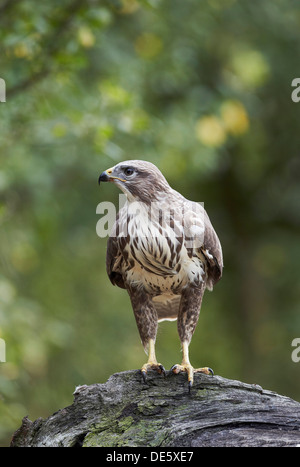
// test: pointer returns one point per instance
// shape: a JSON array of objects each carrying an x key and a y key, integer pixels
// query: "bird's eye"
[{"x": 128, "y": 171}]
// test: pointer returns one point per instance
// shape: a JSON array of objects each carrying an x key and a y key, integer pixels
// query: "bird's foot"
[
  {"x": 152, "y": 366},
  {"x": 187, "y": 367}
]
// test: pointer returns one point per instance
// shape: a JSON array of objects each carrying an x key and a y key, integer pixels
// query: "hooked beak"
[
  {"x": 107, "y": 176},
  {"x": 104, "y": 177}
]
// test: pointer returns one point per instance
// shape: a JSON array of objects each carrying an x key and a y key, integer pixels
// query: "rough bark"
[{"x": 126, "y": 412}]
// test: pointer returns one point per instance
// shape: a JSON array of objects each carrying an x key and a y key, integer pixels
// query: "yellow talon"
[
  {"x": 187, "y": 367},
  {"x": 152, "y": 363}
]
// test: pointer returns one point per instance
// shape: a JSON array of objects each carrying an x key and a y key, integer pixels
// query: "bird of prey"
[{"x": 165, "y": 252}]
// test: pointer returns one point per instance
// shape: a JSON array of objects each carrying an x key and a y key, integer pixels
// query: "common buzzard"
[{"x": 164, "y": 251}]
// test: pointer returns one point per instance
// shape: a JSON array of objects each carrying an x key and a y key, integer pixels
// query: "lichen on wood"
[{"x": 126, "y": 412}]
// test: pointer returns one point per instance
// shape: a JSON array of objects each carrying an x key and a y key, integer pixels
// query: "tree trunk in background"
[{"x": 126, "y": 412}]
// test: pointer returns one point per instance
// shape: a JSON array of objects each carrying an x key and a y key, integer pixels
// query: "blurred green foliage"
[{"x": 203, "y": 90}]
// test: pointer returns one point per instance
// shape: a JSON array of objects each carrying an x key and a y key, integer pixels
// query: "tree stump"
[{"x": 124, "y": 411}]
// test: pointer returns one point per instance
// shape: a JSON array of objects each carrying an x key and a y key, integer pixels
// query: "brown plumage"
[{"x": 164, "y": 251}]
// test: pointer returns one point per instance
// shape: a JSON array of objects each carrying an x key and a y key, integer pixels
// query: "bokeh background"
[{"x": 203, "y": 90}]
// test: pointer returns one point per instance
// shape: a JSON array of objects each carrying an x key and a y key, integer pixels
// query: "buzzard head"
[{"x": 139, "y": 180}]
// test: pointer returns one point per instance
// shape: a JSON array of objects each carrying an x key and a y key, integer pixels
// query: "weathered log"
[{"x": 126, "y": 412}]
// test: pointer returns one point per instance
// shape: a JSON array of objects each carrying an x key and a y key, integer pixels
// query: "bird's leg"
[
  {"x": 188, "y": 315},
  {"x": 152, "y": 363},
  {"x": 187, "y": 367},
  {"x": 146, "y": 320}
]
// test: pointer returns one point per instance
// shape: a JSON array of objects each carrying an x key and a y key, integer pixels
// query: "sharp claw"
[
  {"x": 162, "y": 369},
  {"x": 144, "y": 375},
  {"x": 174, "y": 367},
  {"x": 190, "y": 384},
  {"x": 211, "y": 371}
]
